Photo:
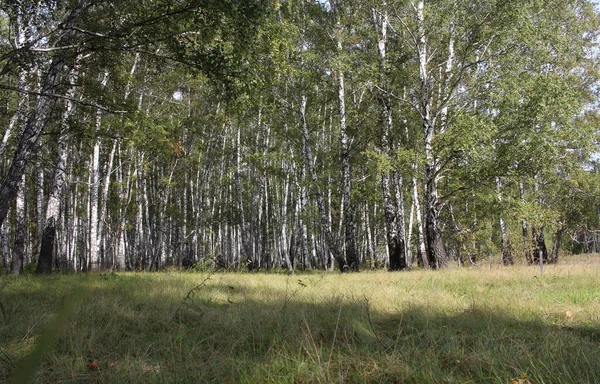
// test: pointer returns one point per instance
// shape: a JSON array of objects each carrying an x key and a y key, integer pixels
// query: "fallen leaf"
[
  {"x": 92, "y": 366},
  {"x": 569, "y": 314}
]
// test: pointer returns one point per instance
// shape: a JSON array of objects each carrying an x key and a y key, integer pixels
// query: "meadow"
[{"x": 465, "y": 325}]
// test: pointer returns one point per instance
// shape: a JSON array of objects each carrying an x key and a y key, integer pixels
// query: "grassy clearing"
[{"x": 498, "y": 325}]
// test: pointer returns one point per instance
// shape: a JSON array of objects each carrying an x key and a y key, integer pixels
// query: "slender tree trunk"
[
  {"x": 400, "y": 219},
  {"x": 8, "y": 132},
  {"x": 507, "y": 258},
  {"x": 161, "y": 242},
  {"x": 395, "y": 248},
  {"x": 40, "y": 213},
  {"x": 541, "y": 252},
  {"x": 421, "y": 249},
  {"x": 125, "y": 196},
  {"x": 436, "y": 253},
  {"x": 370, "y": 242},
  {"x": 524, "y": 228},
  {"x": 393, "y": 243},
  {"x": 75, "y": 258},
  {"x": 306, "y": 263},
  {"x": 94, "y": 255},
  {"x": 409, "y": 252},
  {"x": 285, "y": 252},
  {"x": 103, "y": 206},
  {"x": 19, "y": 248},
  {"x": 349, "y": 225},
  {"x": 556, "y": 246},
  {"x": 139, "y": 226},
  {"x": 196, "y": 208},
  {"x": 147, "y": 224},
  {"x": 15, "y": 268},
  {"x": 267, "y": 250}
]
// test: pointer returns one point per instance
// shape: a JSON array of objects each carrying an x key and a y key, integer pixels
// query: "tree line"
[{"x": 296, "y": 134}]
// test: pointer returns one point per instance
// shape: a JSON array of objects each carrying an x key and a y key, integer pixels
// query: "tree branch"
[{"x": 63, "y": 97}]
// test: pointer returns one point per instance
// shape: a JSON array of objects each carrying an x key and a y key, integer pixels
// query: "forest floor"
[{"x": 469, "y": 325}]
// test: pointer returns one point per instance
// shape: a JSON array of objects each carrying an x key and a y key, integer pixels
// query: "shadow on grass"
[{"x": 135, "y": 329}]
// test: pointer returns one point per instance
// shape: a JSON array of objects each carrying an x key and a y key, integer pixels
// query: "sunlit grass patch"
[{"x": 464, "y": 325}]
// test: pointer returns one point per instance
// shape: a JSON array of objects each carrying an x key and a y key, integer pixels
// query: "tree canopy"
[{"x": 297, "y": 134}]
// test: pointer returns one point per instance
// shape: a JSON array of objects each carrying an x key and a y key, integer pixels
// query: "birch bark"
[
  {"x": 436, "y": 253},
  {"x": 19, "y": 245}
]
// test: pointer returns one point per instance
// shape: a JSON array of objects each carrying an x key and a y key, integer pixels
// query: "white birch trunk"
[
  {"x": 94, "y": 255},
  {"x": 285, "y": 250},
  {"x": 19, "y": 248},
  {"x": 6, "y": 256},
  {"x": 39, "y": 192},
  {"x": 421, "y": 249},
  {"x": 100, "y": 236},
  {"x": 436, "y": 253}
]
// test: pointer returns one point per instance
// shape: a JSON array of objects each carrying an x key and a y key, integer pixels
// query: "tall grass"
[{"x": 488, "y": 325}]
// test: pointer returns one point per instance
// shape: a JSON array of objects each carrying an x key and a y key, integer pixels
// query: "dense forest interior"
[{"x": 297, "y": 134}]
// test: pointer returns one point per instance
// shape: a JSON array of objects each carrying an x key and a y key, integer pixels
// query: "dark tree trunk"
[
  {"x": 45, "y": 260},
  {"x": 528, "y": 247},
  {"x": 556, "y": 247},
  {"x": 507, "y": 258},
  {"x": 540, "y": 246},
  {"x": 394, "y": 241},
  {"x": 400, "y": 223},
  {"x": 395, "y": 249},
  {"x": 436, "y": 253}
]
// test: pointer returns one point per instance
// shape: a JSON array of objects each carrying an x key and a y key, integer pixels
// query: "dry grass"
[{"x": 485, "y": 325}]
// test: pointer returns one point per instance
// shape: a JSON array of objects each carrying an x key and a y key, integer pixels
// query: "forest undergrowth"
[{"x": 464, "y": 325}]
